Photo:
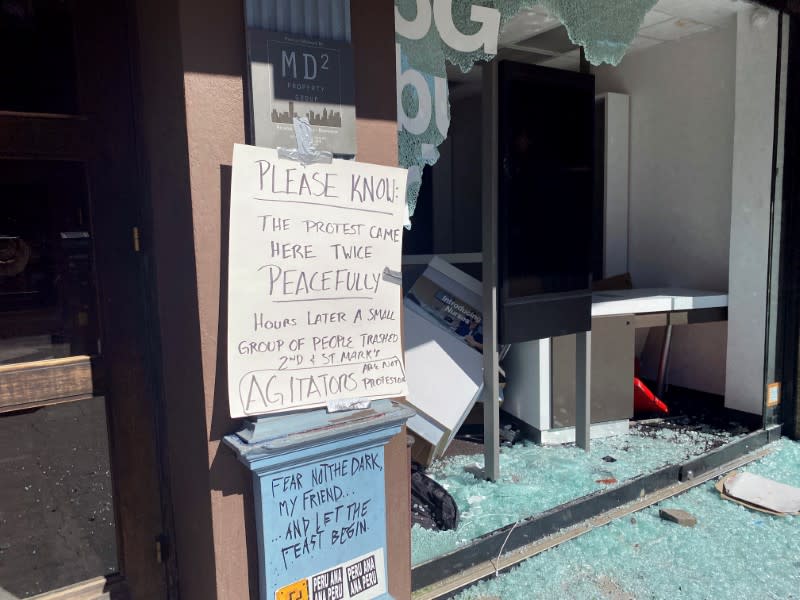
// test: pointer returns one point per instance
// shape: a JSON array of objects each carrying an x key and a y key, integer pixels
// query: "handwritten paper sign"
[
  {"x": 314, "y": 292},
  {"x": 327, "y": 529}
]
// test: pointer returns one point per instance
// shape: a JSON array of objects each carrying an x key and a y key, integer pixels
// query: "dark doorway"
[{"x": 80, "y": 489}]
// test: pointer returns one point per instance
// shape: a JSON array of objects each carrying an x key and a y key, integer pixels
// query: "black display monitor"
[{"x": 546, "y": 187}]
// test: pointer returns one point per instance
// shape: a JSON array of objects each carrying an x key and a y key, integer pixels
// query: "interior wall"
[{"x": 681, "y": 140}]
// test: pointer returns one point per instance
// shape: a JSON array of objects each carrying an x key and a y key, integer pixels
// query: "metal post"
[
  {"x": 583, "y": 385},
  {"x": 491, "y": 383},
  {"x": 663, "y": 362}
]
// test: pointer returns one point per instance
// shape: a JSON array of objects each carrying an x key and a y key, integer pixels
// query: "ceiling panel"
[
  {"x": 569, "y": 61},
  {"x": 525, "y": 24},
  {"x": 554, "y": 41},
  {"x": 674, "y": 29},
  {"x": 641, "y": 42},
  {"x": 710, "y": 12},
  {"x": 565, "y": 63},
  {"x": 655, "y": 16},
  {"x": 534, "y": 29}
]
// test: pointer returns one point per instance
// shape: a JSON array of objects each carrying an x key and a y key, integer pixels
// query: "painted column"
[{"x": 756, "y": 55}]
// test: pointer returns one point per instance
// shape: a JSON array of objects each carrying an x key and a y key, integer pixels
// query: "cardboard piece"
[
  {"x": 313, "y": 300},
  {"x": 720, "y": 487},
  {"x": 760, "y": 493}
]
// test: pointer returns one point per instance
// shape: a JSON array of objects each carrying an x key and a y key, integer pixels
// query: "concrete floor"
[
  {"x": 537, "y": 478},
  {"x": 56, "y": 512}
]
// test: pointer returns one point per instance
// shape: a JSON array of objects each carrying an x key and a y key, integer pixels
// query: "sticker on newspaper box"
[{"x": 362, "y": 578}]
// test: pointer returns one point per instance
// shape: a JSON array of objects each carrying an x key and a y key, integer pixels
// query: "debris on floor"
[
  {"x": 431, "y": 506},
  {"x": 730, "y": 553},
  {"x": 760, "y": 493},
  {"x": 676, "y": 515},
  {"x": 536, "y": 478},
  {"x": 607, "y": 481},
  {"x": 443, "y": 359},
  {"x": 645, "y": 401}
]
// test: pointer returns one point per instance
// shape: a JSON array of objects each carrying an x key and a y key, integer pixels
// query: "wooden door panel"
[
  {"x": 44, "y": 382},
  {"x": 61, "y": 137},
  {"x": 105, "y": 97}
]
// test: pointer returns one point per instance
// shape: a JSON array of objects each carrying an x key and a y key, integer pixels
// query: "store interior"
[{"x": 676, "y": 234}]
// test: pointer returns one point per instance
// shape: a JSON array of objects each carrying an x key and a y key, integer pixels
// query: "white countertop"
[{"x": 651, "y": 300}]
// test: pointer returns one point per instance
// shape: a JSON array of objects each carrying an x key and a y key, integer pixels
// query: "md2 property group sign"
[
  {"x": 314, "y": 292},
  {"x": 296, "y": 77}
]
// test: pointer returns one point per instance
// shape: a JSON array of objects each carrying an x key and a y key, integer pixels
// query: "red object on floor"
[
  {"x": 609, "y": 481},
  {"x": 646, "y": 401}
]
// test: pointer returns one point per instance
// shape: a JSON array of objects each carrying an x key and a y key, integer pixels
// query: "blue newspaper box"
[{"x": 320, "y": 503}]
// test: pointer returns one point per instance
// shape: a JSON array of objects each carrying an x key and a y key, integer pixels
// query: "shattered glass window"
[{"x": 430, "y": 33}]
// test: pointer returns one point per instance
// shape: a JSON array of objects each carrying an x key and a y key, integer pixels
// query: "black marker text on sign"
[{"x": 311, "y": 316}]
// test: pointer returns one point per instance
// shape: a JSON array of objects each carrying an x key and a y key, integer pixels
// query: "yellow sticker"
[
  {"x": 294, "y": 591},
  {"x": 773, "y": 394}
]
